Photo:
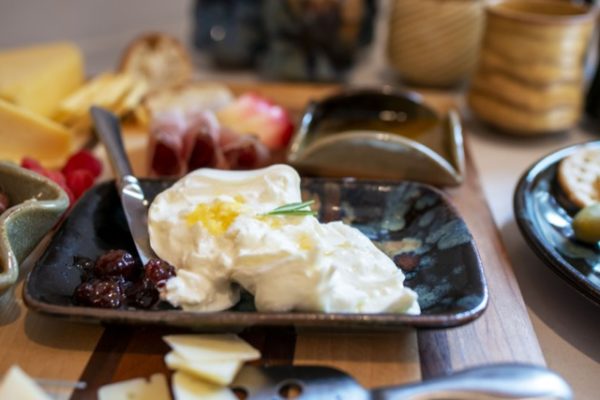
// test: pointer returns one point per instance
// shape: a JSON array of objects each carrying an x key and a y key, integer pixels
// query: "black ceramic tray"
[
  {"x": 445, "y": 269},
  {"x": 545, "y": 217}
]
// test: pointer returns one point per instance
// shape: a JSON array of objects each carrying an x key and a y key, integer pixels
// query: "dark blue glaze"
[
  {"x": 413, "y": 223},
  {"x": 545, "y": 218}
]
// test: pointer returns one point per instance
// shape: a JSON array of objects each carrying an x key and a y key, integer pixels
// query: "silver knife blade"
[
  {"x": 135, "y": 207},
  {"x": 496, "y": 381},
  {"x": 132, "y": 196}
]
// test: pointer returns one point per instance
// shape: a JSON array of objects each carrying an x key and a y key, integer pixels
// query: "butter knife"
[
  {"x": 498, "y": 381},
  {"x": 132, "y": 196}
]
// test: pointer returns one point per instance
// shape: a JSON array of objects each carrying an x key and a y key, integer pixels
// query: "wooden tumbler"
[{"x": 435, "y": 42}]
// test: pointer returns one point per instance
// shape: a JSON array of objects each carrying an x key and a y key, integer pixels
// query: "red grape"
[
  {"x": 99, "y": 293},
  {"x": 116, "y": 263},
  {"x": 158, "y": 271}
]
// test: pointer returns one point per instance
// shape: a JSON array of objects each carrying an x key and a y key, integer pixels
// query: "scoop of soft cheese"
[
  {"x": 187, "y": 221},
  {"x": 212, "y": 226}
]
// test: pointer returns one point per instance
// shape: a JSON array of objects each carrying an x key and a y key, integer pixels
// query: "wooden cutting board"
[{"x": 503, "y": 333}]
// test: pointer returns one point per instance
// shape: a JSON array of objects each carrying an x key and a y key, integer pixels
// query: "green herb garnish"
[{"x": 294, "y": 209}]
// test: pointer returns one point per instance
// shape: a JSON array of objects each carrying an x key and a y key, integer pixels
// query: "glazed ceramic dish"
[
  {"x": 545, "y": 218},
  {"x": 530, "y": 75},
  {"x": 394, "y": 135},
  {"x": 413, "y": 223},
  {"x": 37, "y": 204}
]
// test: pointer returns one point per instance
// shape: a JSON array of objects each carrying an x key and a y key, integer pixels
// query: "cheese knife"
[
  {"x": 132, "y": 196},
  {"x": 498, "y": 381}
]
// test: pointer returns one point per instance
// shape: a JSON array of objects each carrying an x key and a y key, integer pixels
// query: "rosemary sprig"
[{"x": 299, "y": 209}]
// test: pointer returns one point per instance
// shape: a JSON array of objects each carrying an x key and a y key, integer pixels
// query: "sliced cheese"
[
  {"x": 111, "y": 94},
  {"x": 17, "y": 385},
  {"x": 217, "y": 372},
  {"x": 38, "y": 78},
  {"x": 118, "y": 92},
  {"x": 79, "y": 101},
  {"x": 136, "y": 389},
  {"x": 24, "y": 133},
  {"x": 212, "y": 347},
  {"x": 133, "y": 98},
  {"x": 187, "y": 387}
]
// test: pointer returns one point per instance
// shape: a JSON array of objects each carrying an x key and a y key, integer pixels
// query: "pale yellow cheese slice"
[
  {"x": 79, "y": 102},
  {"x": 217, "y": 372},
  {"x": 24, "y": 133},
  {"x": 17, "y": 385},
  {"x": 39, "y": 77},
  {"x": 136, "y": 389},
  {"x": 187, "y": 387},
  {"x": 212, "y": 347},
  {"x": 117, "y": 92},
  {"x": 106, "y": 90},
  {"x": 133, "y": 98},
  {"x": 112, "y": 93}
]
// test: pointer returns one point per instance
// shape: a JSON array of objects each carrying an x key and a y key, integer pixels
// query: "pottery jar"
[{"x": 529, "y": 78}]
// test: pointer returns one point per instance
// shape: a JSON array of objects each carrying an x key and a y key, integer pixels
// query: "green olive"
[{"x": 586, "y": 224}]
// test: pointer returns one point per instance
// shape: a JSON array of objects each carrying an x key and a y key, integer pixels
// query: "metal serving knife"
[
  {"x": 499, "y": 381},
  {"x": 132, "y": 196}
]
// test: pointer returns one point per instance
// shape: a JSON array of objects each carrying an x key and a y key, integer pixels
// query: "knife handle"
[
  {"x": 500, "y": 381},
  {"x": 108, "y": 129}
]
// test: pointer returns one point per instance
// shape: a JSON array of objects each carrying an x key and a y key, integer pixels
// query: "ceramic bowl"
[
  {"x": 530, "y": 76},
  {"x": 379, "y": 134},
  {"x": 36, "y": 205}
]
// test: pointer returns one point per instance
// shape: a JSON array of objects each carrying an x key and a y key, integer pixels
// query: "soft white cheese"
[
  {"x": 211, "y": 226},
  {"x": 16, "y": 384}
]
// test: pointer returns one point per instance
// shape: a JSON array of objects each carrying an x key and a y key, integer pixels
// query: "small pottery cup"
[{"x": 529, "y": 78}]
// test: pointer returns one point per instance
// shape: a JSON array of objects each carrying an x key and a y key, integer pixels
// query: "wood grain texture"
[
  {"x": 126, "y": 353},
  {"x": 42, "y": 346},
  {"x": 55, "y": 349},
  {"x": 373, "y": 359},
  {"x": 504, "y": 332}
]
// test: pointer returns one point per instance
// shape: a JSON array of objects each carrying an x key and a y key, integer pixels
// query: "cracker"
[
  {"x": 579, "y": 177},
  {"x": 160, "y": 59}
]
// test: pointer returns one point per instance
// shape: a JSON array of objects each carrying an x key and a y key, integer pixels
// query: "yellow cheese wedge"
[
  {"x": 217, "y": 372},
  {"x": 137, "y": 389},
  {"x": 24, "y": 133},
  {"x": 186, "y": 387},
  {"x": 39, "y": 77},
  {"x": 17, "y": 385},
  {"x": 212, "y": 347}
]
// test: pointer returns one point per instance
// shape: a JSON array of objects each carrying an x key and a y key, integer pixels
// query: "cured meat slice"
[
  {"x": 243, "y": 151},
  {"x": 165, "y": 147},
  {"x": 201, "y": 142},
  {"x": 182, "y": 142}
]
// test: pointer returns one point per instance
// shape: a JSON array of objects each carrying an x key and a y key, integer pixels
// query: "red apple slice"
[{"x": 255, "y": 115}]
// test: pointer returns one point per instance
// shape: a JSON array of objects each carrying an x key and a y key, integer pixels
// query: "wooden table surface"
[{"x": 49, "y": 348}]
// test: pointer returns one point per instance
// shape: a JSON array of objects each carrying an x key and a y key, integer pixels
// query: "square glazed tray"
[{"x": 444, "y": 268}]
